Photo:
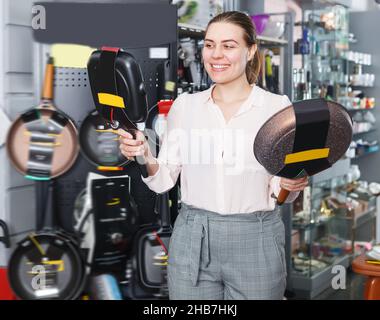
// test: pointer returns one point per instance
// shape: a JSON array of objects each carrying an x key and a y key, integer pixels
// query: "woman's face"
[{"x": 225, "y": 52}]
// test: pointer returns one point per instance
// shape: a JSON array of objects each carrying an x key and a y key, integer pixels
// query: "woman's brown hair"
[{"x": 243, "y": 21}]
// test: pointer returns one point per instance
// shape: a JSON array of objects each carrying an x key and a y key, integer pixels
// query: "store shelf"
[
  {"x": 312, "y": 4},
  {"x": 364, "y": 132},
  {"x": 311, "y": 225},
  {"x": 352, "y": 61},
  {"x": 358, "y": 63},
  {"x": 272, "y": 41},
  {"x": 340, "y": 168},
  {"x": 357, "y": 220},
  {"x": 310, "y": 286},
  {"x": 359, "y": 110},
  {"x": 364, "y": 218},
  {"x": 188, "y": 30},
  {"x": 361, "y": 121},
  {"x": 360, "y": 219},
  {"x": 361, "y": 86},
  {"x": 365, "y": 154}
]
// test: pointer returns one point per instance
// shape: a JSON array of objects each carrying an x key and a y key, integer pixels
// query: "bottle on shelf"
[
  {"x": 305, "y": 44},
  {"x": 302, "y": 86},
  {"x": 308, "y": 85},
  {"x": 295, "y": 84}
]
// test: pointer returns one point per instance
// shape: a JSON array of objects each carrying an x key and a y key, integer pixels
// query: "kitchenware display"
[
  {"x": 118, "y": 92},
  {"x": 48, "y": 263},
  {"x": 42, "y": 142},
  {"x": 303, "y": 139}
]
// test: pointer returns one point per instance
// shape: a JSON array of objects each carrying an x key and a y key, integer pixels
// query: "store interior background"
[{"x": 338, "y": 217}]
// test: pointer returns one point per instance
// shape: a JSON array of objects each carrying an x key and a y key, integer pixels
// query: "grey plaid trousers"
[{"x": 226, "y": 257}]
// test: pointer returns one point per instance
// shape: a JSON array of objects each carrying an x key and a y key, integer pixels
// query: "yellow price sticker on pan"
[
  {"x": 48, "y": 144},
  {"x": 59, "y": 263},
  {"x": 28, "y": 133},
  {"x": 114, "y": 202},
  {"x": 307, "y": 155},
  {"x": 111, "y": 100},
  {"x": 105, "y": 168},
  {"x": 107, "y": 131},
  {"x": 37, "y": 244}
]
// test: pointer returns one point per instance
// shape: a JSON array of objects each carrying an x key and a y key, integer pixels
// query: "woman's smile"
[{"x": 219, "y": 67}]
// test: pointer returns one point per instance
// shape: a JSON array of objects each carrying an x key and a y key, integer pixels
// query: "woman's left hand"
[{"x": 294, "y": 184}]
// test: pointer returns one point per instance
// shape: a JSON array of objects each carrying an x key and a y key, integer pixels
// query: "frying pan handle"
[
  {"x": 5, "y": 237},
  {"x": 164, "y": 209},
  {"x": 140, "y": 159},
  {"x": 47, "y": 90},
  {"x": 142, "y": 167},
  {"x": 44, "y": 204},
  {"x": 282, "y": 196}
]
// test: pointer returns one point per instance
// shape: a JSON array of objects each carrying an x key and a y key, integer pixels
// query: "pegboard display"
[{"x": 70, "y": 77}]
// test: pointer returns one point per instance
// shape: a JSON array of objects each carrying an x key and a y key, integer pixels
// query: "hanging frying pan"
[
  {"x": 47, "y": 264},
  {"x": 303, "y": 139},
  {"x": 118, "y": 91},
  {"x": 116, "y": 221},
  {"x": 99, "y": 144},
  {"x": 42, "y": 142},
  {"x": 152, "y": 245}
]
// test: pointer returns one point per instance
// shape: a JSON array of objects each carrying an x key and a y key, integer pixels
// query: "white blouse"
[{"x": 219, "y": 171}]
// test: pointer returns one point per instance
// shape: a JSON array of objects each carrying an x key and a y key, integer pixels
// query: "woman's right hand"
[{"x": 131, "y": 147}]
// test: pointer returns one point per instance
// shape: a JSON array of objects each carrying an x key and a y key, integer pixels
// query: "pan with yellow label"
[
  {"x": 46, "y": 266},
  {"x": 48, "y": 263},
  {"x": 304, "y": 138}
]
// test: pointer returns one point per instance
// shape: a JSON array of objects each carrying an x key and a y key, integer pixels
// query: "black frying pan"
[
  {"x": 118, "y": 91},
  {"x": 151, "y": 247},
  {"x": 47, "y": 264},
  {"x": 42, "y": 142},
  {"x": 303, "y": 139},
  {"x": 99, "y": 143},
  {"x": 116, "y": 221}
]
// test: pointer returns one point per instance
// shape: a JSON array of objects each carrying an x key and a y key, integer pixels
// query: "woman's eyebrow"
[{"x": 227, "y": 40}]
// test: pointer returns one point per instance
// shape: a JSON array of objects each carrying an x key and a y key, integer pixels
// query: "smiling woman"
[{"x": 228, "y": 239}]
